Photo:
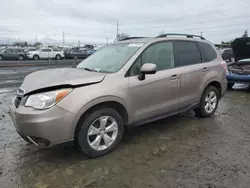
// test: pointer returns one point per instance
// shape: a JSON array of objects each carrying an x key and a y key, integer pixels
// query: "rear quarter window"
[{"x": 208, "y": 52}]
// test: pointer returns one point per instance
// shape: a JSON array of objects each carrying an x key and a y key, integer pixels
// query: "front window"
[{"x": 111, "y": 58}]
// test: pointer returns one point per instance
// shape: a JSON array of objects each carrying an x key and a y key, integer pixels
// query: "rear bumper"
[{"x": 53, "y": 126}]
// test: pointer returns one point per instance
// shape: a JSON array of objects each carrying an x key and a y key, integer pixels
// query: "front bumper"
[
  {"x": 235, "y": 78},
  {"x": 52, "y": 125}
]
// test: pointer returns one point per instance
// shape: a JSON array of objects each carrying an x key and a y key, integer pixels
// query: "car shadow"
[{"x": 69, "y": 153}]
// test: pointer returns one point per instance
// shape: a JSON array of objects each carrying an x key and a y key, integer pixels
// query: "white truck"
[{"x": 45, "y": 53}]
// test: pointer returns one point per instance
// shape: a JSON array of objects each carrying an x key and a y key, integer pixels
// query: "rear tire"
[
  {"x": 36, "y": 57},
  {"x": 20, "y": 57},
  {"x": 208, "y": 105},
  {"x": 58, "y": 57},
  {"x": 230, "y": 85},
  {"x": 108, "y": 140}
]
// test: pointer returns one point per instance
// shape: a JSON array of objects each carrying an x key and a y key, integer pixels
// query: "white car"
[{"x": 45, "y": 53}]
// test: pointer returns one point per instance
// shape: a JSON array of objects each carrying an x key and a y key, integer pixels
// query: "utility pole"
[
  {"x": 63, "y": 38},
  {"x": 117, "y": 30},
  {"x": 107, "y": 40}
]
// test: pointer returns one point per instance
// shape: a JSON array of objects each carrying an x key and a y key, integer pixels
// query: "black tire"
[
  {"x": 230, "y": 85},
  {"x": 36, "y": 57},
  {"x": 85, "y": 123},
  {"x": 75, "y": 57},
  {"x": 58, "y": 57},
  {"x": 200, "y": 111},
  {"x": 1, "y": 57},
  {"x": 20, "y": 57}
]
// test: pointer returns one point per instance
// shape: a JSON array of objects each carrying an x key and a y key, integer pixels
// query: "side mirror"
[{"x": 147, "y": 68}]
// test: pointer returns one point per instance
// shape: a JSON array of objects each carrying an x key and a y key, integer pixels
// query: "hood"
[{"x": 63, "y": 77}]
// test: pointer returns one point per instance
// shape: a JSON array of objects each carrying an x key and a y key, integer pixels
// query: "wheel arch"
[
  {"x": 117, "y": 105},
  {"x": 216, "y": 84},
  {"x": 36, "y": 55}
]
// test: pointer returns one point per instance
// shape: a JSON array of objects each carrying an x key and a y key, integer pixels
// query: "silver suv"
[{"x": 130, "y": 82}]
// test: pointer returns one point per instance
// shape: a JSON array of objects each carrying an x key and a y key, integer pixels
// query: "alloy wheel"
[
  {"x": 102, "y": 133},
  {"x": 210, "y": 102}
]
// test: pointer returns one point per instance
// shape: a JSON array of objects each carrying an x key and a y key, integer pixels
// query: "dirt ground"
[{"x": 181, "y": 151}]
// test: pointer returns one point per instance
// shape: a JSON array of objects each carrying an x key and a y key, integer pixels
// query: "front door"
[{"x": 157, "y": 95}]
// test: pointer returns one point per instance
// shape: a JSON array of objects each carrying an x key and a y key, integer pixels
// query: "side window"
[
  {"x": 208, "y": 51},
  {"x": 9, "y": 51},
  {"x": 161, "y": 54},
  {"x": 46, "y": 50},
  {"x": 135, "y": 69},
  {"x": 186, "y": 53}
]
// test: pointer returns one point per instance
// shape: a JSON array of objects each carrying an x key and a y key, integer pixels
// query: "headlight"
[{"x": 47, "y": 99}]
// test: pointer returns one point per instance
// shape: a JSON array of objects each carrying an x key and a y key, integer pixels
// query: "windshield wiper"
[{"x": 91, "y": 70}]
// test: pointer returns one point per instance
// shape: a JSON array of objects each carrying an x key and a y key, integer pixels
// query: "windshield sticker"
[{"x": 135, "y": 45}]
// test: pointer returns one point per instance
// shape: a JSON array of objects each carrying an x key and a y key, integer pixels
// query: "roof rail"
[
  {"x": 176, "y": 34},
  {"x": 128, "y": 38}
]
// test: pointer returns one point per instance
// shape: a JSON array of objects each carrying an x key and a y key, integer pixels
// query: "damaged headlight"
[{"x": 47, "y": 99}]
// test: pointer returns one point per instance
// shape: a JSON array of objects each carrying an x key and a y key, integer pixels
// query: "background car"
[
  {"x": 46, "y": 53},
  {"x": 78, "y": 53},
  {"x": 239, "y": 72},
  {"x": 227, "y": 54},
  {"x": 12, "y": 54}
]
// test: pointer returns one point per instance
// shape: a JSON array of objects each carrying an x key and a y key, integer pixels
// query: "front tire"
[
  {"x": 100, "y": 132},
  {"x": 209, "y": 102}
]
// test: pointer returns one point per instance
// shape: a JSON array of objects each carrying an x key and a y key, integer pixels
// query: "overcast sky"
[{"x": 92, "y": 21}]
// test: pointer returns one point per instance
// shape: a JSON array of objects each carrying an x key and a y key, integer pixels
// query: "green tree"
[
  {"x": 245, "y": 34},
  {"x": 121, "y": 36},
  {"x": 37, "y": 44}
]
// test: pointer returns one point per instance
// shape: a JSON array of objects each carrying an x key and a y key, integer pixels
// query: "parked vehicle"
[
  {"x": 130, "y": 82},
  {"x": 45, "y": 53},
  {"x": 227, "y": 54},
  {"x": 12, "y": 54},
  {"x": 78, "y": 53},
  {"x": 239, "y": 72}
]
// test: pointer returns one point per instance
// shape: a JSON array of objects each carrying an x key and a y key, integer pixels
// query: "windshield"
[{"x": 111, "y": 58}]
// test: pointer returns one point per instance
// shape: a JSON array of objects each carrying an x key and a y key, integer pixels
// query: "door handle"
[
  {"x": 204, "y": 69},
  {"x": 174, "y": 77}
]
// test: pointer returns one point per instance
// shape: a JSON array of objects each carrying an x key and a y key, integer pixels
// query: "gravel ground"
[{"x": 181, "y": 151}]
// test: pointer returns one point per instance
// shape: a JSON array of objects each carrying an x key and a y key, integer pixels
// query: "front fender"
[{"x": 93, "y": 103}]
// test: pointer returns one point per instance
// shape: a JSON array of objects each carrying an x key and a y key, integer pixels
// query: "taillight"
[{"x": 224, "y": 64}]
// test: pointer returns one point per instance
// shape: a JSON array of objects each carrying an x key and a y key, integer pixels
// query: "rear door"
[
  {"x": 158, "y": 94},
  {"x": 190, "y": 65}
]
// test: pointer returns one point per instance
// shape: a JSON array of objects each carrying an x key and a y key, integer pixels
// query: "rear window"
[
  {"x": 208, "y": 52},
  {"x": 186, "y": 53}
]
